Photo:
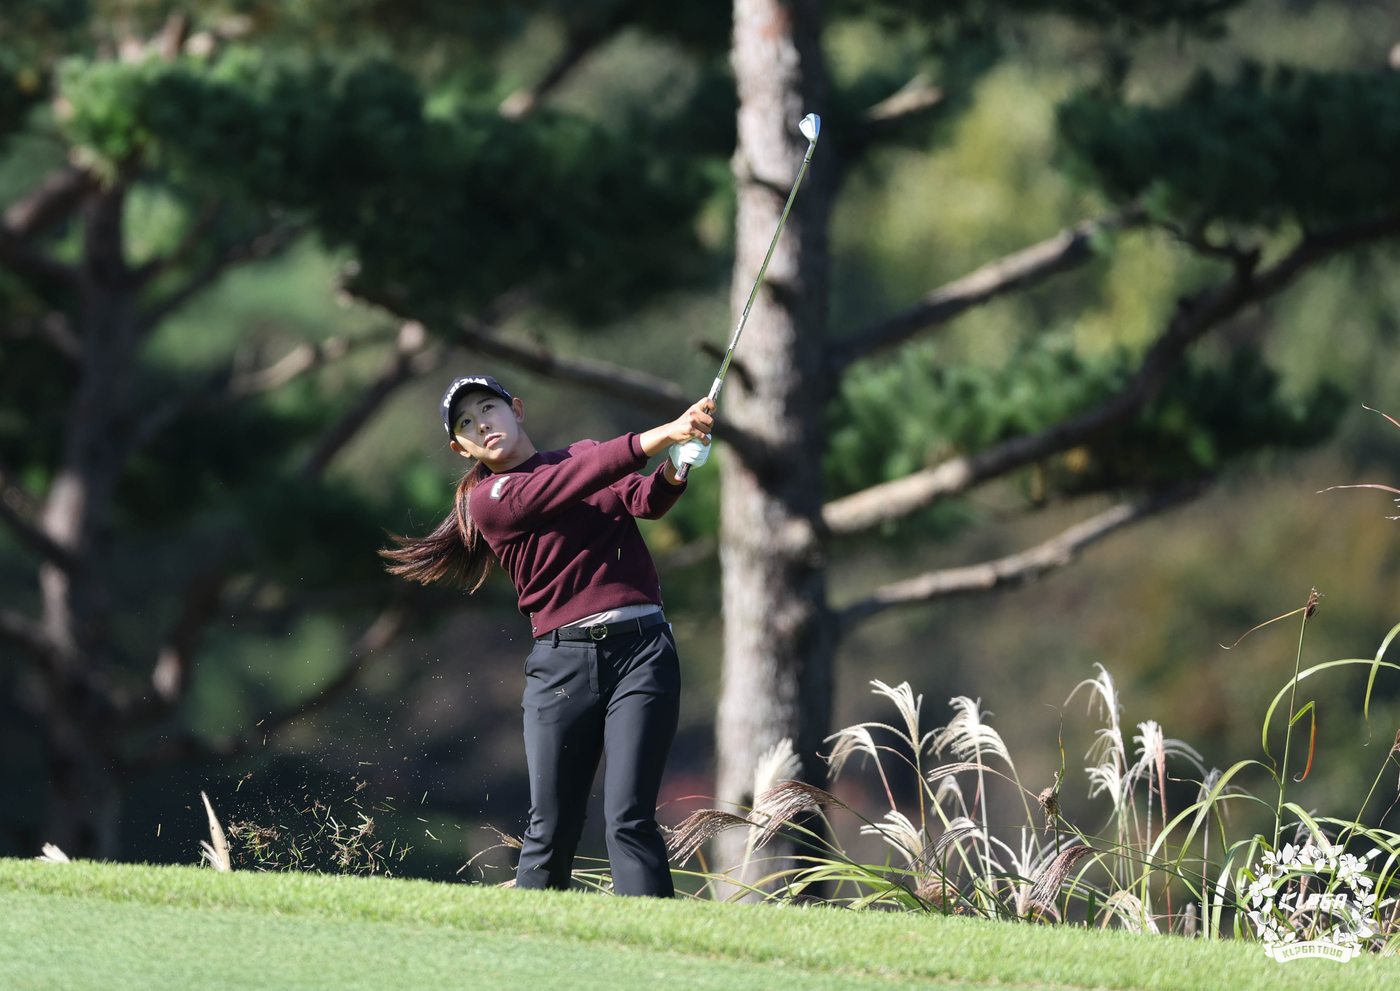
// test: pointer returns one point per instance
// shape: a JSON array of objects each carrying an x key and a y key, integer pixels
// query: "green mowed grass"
[{"x": 115, "y": 927}]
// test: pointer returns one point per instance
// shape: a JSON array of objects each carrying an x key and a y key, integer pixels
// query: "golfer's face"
[{"x": 487, "y": 426}]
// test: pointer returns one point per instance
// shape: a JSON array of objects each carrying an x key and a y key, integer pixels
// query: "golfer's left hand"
[{"x": 693, "y": 452}]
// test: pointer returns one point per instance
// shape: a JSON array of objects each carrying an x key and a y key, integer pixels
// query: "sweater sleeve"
[
  {"x": 648, "y": 497},
  {"x": 522, "y": 501}
]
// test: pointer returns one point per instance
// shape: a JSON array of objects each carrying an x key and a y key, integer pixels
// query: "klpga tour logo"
[{"x": 1312, "y": 901}]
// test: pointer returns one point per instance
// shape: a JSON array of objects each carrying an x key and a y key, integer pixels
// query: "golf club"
[{"x": 811, "y": 127}]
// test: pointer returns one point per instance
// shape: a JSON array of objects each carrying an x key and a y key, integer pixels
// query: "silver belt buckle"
[{"x": 598, "y": 631}]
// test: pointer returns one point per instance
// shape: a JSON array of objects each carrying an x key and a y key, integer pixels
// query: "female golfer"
[{"x": 603, "y": 674}]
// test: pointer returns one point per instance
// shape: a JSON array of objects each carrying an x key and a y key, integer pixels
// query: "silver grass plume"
[
  {"x": 850, "y": 741},
  {"x": 910, "y": 706},
  {"x": 698, "y": 829},
  {"x": 782, "y": 803},
  {"x": 948, "y": 786},
  {"x": 1154, "y": 748},
  {"x": 1130, "y": 911},
  {"x": 778, "y": 764},
  {"x": 967, "y": 735},
  {"x": 1047, "y": 885},
  {"x": 1108, "y": 753},
  {"x": 899, "y": 832}
]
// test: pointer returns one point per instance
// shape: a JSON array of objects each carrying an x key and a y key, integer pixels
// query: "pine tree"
[{"x": 457, "y": 218}]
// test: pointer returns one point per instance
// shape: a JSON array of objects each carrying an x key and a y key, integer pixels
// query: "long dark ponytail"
[{"x": 455, "y": 552}]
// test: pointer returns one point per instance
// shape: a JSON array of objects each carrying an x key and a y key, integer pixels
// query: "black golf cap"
[{"x": 468, "y": 383}]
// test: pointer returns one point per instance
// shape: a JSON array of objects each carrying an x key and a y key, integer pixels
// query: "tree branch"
[
  {"x": 415, "y": 356},
  {"x": 263, "y": 246},
  {"x": 1015, "y": 569},
  {"x": 16, "y": 509},
  {"x": 1019, "y": 270},
  {"x": 56, "y": 196},
  {"x": 296, "y": 362},
  {"x": 1195, "y": 316},
  {"x": 914, "y": 97},
  {"x": 582, "y": 39},
  {"x": 53, "y": 329},
  {"x": 188, "y": 747},
  {"x": 230, "y": 384},
  {"x": 18, "y": 498},
  {"x": 24, "y": 634},
  {"x": 918, "y": 96},
  {"x": 641, "y": 389},
  {"x": 188, "y": 243},
  {"x": 171, "y": 674},
  {"x": 34, "y": 264}
]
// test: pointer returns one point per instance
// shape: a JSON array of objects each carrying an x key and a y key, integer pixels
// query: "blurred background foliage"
[{"x": 1046, "y": 120}]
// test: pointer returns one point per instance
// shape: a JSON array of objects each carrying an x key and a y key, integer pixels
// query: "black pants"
[{"x": 620, "y": 696}]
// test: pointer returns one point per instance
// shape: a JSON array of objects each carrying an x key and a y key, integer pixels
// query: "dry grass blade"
[
  {"x": 1047, "y": 886},
  {"x": 697, "y": 830},
  {"x": 217, "y": 853},
  {"x": 956, "y": 768},
  {"x": 53, "y": 855},
  {"x": 508, "y": 842},
  {"x": 1266, "y": 623},
  {"x": 1372, "y": 409},
  {"x": 959, "y": 829},
  {"x": 948, "y": 770},
  {"x": 779, "y": 805},
  {"x": 514, "y": 842}
]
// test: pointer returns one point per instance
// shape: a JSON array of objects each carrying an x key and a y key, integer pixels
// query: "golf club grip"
[{"x": 715, "y": 387}]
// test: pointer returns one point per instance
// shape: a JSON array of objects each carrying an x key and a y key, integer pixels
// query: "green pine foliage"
[
  {"x": 443, "y": 213},
  {"x": 1270, "y": 147},
  {"x": 896, "y": 418},
  {"x": 1133, "y": 15}
]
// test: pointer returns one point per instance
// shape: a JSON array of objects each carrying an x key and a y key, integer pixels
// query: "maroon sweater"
[{"x": 563, "y": 524}]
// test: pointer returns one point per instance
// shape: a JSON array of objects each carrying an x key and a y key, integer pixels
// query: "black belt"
[{"x": 600, "y": 631}]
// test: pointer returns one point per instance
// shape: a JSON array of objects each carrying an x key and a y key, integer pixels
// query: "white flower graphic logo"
[{"x": 1312, "y": 901}]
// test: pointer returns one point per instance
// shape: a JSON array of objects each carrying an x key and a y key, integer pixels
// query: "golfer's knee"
[{"x": 633, "y": 828}]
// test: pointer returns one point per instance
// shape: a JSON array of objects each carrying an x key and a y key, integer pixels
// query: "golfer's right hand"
[{"x": 695, "y": 424}]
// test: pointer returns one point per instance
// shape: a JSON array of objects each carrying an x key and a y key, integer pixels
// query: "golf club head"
[{"x": 810, "y": 127}]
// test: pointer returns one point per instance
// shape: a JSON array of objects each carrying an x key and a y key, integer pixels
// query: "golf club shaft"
[{"x": 718, "y": 383}]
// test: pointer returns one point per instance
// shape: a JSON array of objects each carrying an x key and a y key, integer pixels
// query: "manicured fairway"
[{"x": 117, "y": 927}]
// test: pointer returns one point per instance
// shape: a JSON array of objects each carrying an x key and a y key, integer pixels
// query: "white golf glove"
[{"x": 693, "y": 452}]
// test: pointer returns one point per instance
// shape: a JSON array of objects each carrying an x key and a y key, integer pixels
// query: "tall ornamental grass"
[{"x": 1151, "y": 868}]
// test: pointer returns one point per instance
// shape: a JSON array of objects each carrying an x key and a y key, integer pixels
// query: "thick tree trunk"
[
  {"x": 83, "y": 724},
  {"x": 777, "y": 627}
]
